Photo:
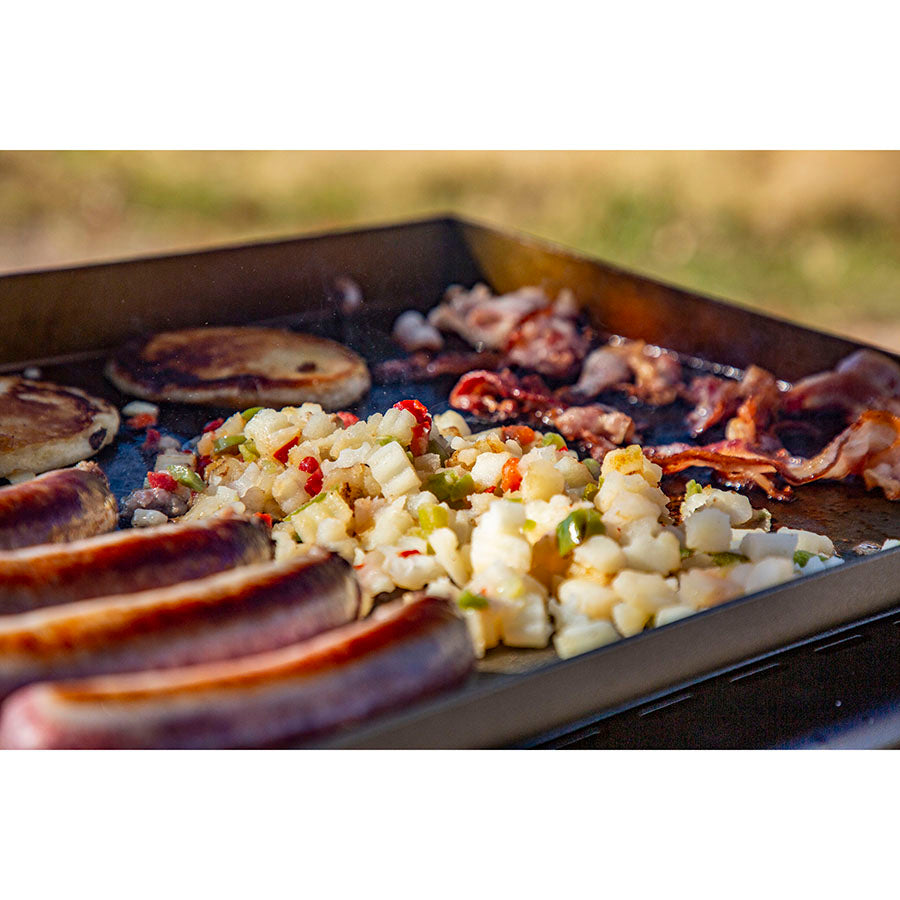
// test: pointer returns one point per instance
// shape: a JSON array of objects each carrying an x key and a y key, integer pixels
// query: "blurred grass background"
[{"x": 810, "y": 235}]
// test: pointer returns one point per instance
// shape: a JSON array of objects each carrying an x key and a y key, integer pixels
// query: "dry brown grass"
[{"x": 812, "y": 235}]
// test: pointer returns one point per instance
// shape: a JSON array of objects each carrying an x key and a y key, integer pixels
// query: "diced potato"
[
  {"x": 643, "y": 590},
  {"x": 392, "y": 469},
  {"x": 451, "y": 421},
  {"x": 326, "y": 506},
  {"x": 702, "y": 588},
  {"x": 399, "y": 424},
  {"x": 589, "y": 597},
  {"x": 488, "y": 468},
  {"x": 484, "y": 629},
  {"x": 757, "y": 546},
  {"x": 541, "y": 481},
  {"x": 391, "y": 522},
  {"x": 446, "y": 550},
  {"x": 631, "y": 461},
  {"x": 672, "y": 614},
  {"x": 810, "y": 542},
  {"x": 708, "y": 530},
  {"x": 736, "y": 506},
  {"x": 598, "y": 554},
  {"x": 412, "y": 572},
  {"x": 616, "y": 484},
  {"x": 575, "y": 473},
  {"x": 288, "y": 491},
  {"x": 630, "y": 618},
  {"x": 626, "y": 508},
  {"x": 768, "y": 573},
  {"x": 574, "y": 640},
  {"x": 519, "y": 601},
  {"x": 270, "y": 430},
  {"x": 660, "y": 553}
]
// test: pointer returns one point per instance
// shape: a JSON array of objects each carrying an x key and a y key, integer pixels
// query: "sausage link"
[
  {"x": 126, "y": 561},
  {"x": 244, "y": 611},
  {"x": 401, "y": 653},
  {"x": 61, "y": 505}
]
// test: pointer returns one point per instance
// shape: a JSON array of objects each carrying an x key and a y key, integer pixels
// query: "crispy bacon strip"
[
  {"x": 870, "y": 447},
  {"x": 548, "y": 343},
  {"x": 864, "y": 380},
  {"x": 599, "y": 427}
]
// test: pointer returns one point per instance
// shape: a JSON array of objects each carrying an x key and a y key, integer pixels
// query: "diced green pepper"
[
  {"x": 431, "y": 517},
  {"x": 450, "y": 486},
  {"x": 692, "y": 488},
  {"x": 249, "y": 451},
  {"x": 529, "y": 525},
  {"x": 226, "y": 443},
  {"x": 248, "y": 414},
  {"x": 439, "y": 445},
  {"x": 591, "y": 490},
  {"x": 576, "y": 527},
  {"x": 592, "y": 466},
  {"x": 802, "y": 557},
  {"x": 554, "y": 439},
  {"x": 686, "y": 553},
  {"x": 187, "y": 477},
  {"x": 384, "y": 441},
  {"x": 470, "y": 600},
  {"x": 727, "y": 558}
]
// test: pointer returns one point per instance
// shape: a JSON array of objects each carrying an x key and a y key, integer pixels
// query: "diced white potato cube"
[
  {"x": 541, "y": 481},
  {"x": 575, "y": 473},
  {"x": 519, "y": 601},
  {"x": 631, "y": 461},
  {"x": 446, "y": 550},
  {"x": 616, "y": 484},
  {"x": 672, "y": 614},
  {"x": 270, "y": 430},
  {"x": 736, "y": 506},
  {"x": 660, "y": 553},
  {"x": 708, "y": 530},
  {"x": 598, "y": 554},
  {"x": 890, "y": 543},
  {"x": 546, "y": 515},
  {"x": 288, "y": 490},
  {"x": 391, "y": 522},
  {"x": 627, "y": 508},
  {"x": 392, "y": 470},
  {"x": 810, "y": 542},
  {"x": 644, "y": 590},
  {"x": 588, "y": 596},
  {"x": 484, "y": 629},
  {"x": 630, "y": 618},
  {"x": 488, "y": 468},
  {"x": 412, "y": 572},
  {"x": 759, "y": 546},
  {"x": 769, "y": 572},
  {"x": 399, "y": 424},
  {"x": 327, "y": 505},
  {"x": 701, "y": 588},
  {"x": 450, "y": 421},
  {"x": 318, "y": 425},
  {"x": 574, "y": 640}
]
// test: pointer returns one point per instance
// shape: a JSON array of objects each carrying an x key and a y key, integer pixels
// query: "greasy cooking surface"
[{"x": 410, "y": 266}]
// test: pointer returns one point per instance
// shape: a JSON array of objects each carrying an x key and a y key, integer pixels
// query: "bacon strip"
[{"x": 423, "y": 367}]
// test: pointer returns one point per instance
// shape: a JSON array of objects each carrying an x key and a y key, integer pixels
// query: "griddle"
[{"x": 66, "y": 320}]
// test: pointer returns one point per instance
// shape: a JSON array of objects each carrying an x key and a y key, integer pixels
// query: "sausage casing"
[
  {"x": 135, "y": 559},
  {"x": 243, "y": 611},
  {"x": 61, "y": 505},
  {"x": 401, "y": 653}
]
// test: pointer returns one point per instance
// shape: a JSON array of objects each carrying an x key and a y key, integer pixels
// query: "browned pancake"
[
  {"x": 240, "y": 367},
  {"x": 46, "y": 426}
]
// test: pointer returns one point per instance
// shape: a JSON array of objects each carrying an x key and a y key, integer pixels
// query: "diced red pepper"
[
  {"x": 347, "y": 418},
  {"x": 404, "y": 553},
  {"x": 265, "y": 518},
  {"x": 281, "y": 454},
  {"x": 151, "y": 441},
  {"x": 510, "y": 476},
  {"x": 141, "y": 420},
  {"x": 419, "y": 442},
  {"x": 521, "y": 433},
  {"x": 313, "y": 484},
  {"x": 212, "y": 426},
  {"x": 162, "y": 480},
  {"x": 202, "y": 463}
]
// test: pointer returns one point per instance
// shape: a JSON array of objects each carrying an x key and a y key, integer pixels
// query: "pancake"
[
  {"x": 239, "y": 367},
  {"x": 47, "y": 426}
]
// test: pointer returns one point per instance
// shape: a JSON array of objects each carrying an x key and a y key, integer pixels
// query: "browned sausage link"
[
  {"x": 58, "y": 506},
  {"x": 126, "y": 561},
  {"x": 244, "y": 611},
  {"x": 401, "y": 653}
]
